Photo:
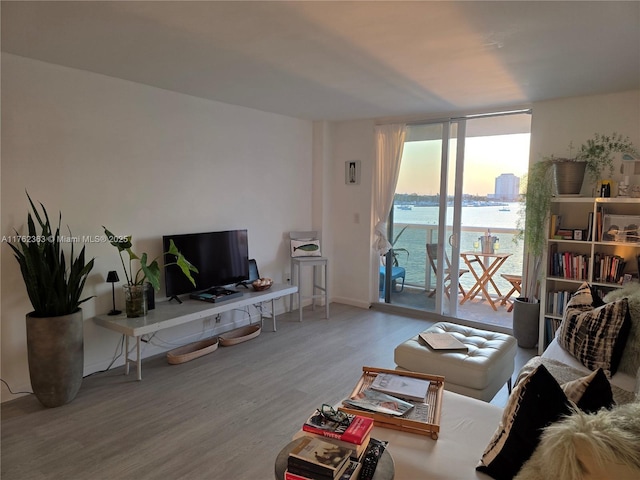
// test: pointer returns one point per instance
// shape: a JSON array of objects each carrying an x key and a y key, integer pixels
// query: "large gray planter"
[
  {"x": 568, "y": 176},
  {"x": 526, "y": 318},
  {"x": 55, "y": 348}
]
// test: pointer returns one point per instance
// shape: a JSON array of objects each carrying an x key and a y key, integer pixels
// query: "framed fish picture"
[{"x": 305, "y": 248}]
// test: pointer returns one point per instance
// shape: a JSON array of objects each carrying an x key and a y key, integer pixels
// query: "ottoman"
[{"x": 480, "y": 372}]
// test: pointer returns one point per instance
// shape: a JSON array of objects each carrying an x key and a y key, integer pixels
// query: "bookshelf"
[{"x": 589, "y": 239}]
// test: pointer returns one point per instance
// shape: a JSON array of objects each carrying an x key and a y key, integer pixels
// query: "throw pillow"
[
  {"x": 305, "y": 248},
  {"x": 533, "y": 404},
  {"x": 590, "y": 393},
  {"x": 594, "y": 334},
  {"x": 631, "y": 355}
]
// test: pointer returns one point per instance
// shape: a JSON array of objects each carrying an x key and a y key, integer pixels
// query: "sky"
[{"x": 486, "y": 158}]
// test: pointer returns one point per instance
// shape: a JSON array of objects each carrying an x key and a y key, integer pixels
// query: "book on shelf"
[
  {"x": 590, "y": 227},
  {"x": 554, "y": 225},
  {"x": 357, "y": 449},
  {"x": 374, "y": 401},
  {"x": 442, "y": 341},
  {"x": 409, "y": 388},
  {"x": 318, "y": 459},
  {"x": 354, "y": 430}
]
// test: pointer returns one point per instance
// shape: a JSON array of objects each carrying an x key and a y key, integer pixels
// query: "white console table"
[{"x": 171, "y": 313}]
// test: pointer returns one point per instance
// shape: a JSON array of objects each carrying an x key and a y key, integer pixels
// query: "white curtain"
[{"x": 389, "y": 147}]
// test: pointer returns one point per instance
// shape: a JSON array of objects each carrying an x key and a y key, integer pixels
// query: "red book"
[{"x": 355, "y": 430}]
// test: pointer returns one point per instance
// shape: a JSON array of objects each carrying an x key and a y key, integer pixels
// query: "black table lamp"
[{"x": 112, "y": 278}]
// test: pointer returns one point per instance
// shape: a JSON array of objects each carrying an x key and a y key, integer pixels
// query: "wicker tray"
[
  {"x": 192, "y": 351},
  {"x": 239, "y": 335},
  {"x": 407, "y": 424}
]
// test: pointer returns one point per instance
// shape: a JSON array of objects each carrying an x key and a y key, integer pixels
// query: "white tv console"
[{"x": 171, "y": 313}]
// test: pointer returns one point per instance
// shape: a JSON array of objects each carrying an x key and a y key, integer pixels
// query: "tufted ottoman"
[{"x": 480, "y": 372}]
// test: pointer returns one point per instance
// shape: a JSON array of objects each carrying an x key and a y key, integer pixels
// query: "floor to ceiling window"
[{"x": 457, "y": 192}]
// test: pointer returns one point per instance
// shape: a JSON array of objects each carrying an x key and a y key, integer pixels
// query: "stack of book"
[
  {"x": 314, "y": 458},
  {"x": 353, "y": 434}
]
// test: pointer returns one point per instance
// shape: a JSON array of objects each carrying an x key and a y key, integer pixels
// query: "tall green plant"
[
  {"x": 532, "y": 222},
  {"x": 148, "y": 271},
  {"x": 53, "y": 289}
]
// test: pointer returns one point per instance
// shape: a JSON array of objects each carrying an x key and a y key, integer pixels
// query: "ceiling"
[{"x": 342, "y": 60}]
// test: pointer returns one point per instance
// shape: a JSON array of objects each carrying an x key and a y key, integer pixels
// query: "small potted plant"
[
  {"x": 598, "y": 152},
  {"x": 136, "y": 286},
  {"x": 54, "y": 282}
]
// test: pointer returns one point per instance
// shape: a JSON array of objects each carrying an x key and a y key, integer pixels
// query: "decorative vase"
[
  {"x": 568, "y": 176},
  {"x": 135, "y": 299},
  {"x": 526, "y": 317},
  {"x": 151, "y": 297},
  {"x": 55, "y": 350}
]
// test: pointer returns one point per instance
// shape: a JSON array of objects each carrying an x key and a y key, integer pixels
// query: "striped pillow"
[{"x": 595, "y": 334}]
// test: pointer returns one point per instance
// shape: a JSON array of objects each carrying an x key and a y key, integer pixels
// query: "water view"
[{"x": 500, "y": 219}]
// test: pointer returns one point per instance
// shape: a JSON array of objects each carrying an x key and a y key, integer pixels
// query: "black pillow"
[
  {"x": 534, "y": 403},
  {"x": 590, "y": 393}
]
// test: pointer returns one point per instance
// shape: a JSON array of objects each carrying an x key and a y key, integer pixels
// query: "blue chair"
[{"x": 396, "y": 273}]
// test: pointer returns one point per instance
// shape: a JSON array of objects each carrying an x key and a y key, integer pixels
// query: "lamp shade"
[{"x": 112, "y": 277}]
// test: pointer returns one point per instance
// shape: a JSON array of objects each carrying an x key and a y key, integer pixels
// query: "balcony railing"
[{"x": 418, "y": 270}]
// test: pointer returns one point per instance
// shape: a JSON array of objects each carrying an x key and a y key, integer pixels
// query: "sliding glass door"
[{"x": 457, "y": 192}]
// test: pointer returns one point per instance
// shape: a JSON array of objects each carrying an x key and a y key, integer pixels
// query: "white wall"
[
  {"x": 351, "y": 216},
  {"x": 146, "y": 162}
]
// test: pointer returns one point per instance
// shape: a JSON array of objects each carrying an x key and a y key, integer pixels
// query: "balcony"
[{"x": 420, "y": 278}]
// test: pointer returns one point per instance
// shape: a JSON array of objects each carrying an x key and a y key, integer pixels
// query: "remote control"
[{"x": 371, "y": 457}]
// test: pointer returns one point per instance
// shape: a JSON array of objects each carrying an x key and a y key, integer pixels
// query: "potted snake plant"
[{"x": 54, "y": 282}]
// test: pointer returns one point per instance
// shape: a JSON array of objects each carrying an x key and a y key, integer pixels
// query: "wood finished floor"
[{"x": 223, "y": 416}]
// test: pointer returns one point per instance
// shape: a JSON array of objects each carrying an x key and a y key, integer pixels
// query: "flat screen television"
[{"x": 222, "y": 258}]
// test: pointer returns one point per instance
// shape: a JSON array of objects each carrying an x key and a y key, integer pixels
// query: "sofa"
[{"x": 557, "y": 397}]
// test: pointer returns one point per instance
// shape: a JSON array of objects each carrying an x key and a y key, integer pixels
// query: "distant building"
[{"x": 507, "y": 188}]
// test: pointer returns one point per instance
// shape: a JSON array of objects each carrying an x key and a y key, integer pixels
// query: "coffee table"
[{"x": 384, "y": 471}]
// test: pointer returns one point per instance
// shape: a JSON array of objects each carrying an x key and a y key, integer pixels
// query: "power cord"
[{"x": 9, "y": 388}]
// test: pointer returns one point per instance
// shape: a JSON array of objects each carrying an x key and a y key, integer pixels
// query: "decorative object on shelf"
[
  {"x": 568, "y": 175},
  {"x": 151, "y": 296},
  {"x": 149, "y": 272},
  {"x": 54, "y": 283},
  {"x": 112, "y": 278},
  {"x": 262, "y": 284},
  {"x": 135, "y": 300}
]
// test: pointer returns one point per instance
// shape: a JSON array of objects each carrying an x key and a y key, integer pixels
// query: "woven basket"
[
  {"x": 239, "y": 335},
  {"x": 192, "y": 351}
]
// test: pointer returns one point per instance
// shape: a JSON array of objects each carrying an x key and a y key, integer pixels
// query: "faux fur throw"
[{"x": 601, "y": 446}]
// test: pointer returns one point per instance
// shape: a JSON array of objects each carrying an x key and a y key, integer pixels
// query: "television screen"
[{"x": 222, "y": 258}]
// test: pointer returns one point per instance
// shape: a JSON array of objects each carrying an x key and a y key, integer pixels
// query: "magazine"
[
  {"x": 401, "y": 386},
  {"x": 374, "y": 401}
]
